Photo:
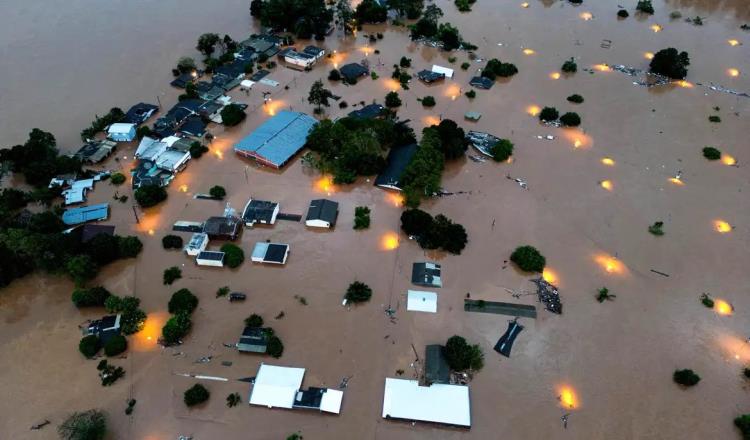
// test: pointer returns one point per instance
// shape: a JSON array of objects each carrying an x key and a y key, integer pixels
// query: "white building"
[
  {"x": 121, "y": 132},
  {"x": 210, "y": 258},
  {"x": 421, "y": 301},
  {"x": 274, "y": 253},
  {"x": 162, "y": 155},
  {"x": 444, "y": 70},
  {"x": 438, "y": 403},
  {"x": 280, "y": 387},
  {"x": 77, "y": 191},
  {"x": 197, "y": 244}
]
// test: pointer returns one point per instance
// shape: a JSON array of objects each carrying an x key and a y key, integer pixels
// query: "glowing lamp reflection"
[
  {"x": 733, "y": 72},
  {"x": 529, "y": 52},
  {"x": 722, "y": 307},
  {"x": 554, "y": 75},
  {"x": 533, "y": 110},
  {"x": 389, "y": 241},
  {"x": 656, "y": 28},
  {"x": 733, "y": 42},
  {"x": 568, "y": 397},
  {"x": 610, "y": 264},
  {"x": 550, "y": 276},
  {"x": 722, "y": 227},
  {"x": 608, "y": 161},
  {"x": 586, "y": 16},
  {"x": 648, "y": 55},
  {"x": 728, "y": 160},
  {"x": 606, "y": 184}
]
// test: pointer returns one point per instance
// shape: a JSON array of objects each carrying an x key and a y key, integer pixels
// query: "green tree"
[
  {"x": 207, "y": 44},
  {"x": 275, "y": 347},
  {"x": 604, "y": 295},
  {"x": 186, "y": 64},
  {"x": 89, "y": 345},
  {"x": 711, "y": 153},
  {"x": 117, "y": 179},
  {"x": 233, "y": 255},
  {"x": 176, "y": 328},
  {"x": 528, "y": 259},
  {"x": 548, "y": 114},
  {"x": 428, "y": 101},
  {"x": 254, "y": 321},
  {"x": 334, "y": 75},
  {"x": 233, "y": 400},
  {"x": 462, "y": 356},
  {"x": 686, "y": 378},
  {"x": 670, "y": 63},
  {"x": 129, "y": 247},
  {"x": 570, "y": 119},
  {"x": 452, "y": 139},
  {"x": 117, "y": 344},
  {"x": 358, "y": 292},
  {"x": 370, "y": 11},
  {"x": 361, "y": 217},
  {"x": 319, "y": 96},
  {"x": 392, "y": 100},
  {"x": 256, "y": 8},
  {"x": 182, "y": 300},
  {"x": 502, "y": 150},
  {"x": 171, "y": 275},
  {"x": 570, "y": 66},
  {"x": 87, "y": 425},
  {"x": 422, "y": 175},
  {"x": 93, "y": 297},
  {"x": 415, "y": 222},
  {"x": 150, "y": 195},
  {"x": 218, "y": 192},
  {"x": 495, "y": 68},
  {"x": 232, "y": 115},
  {"x": 197, "y": 150},
  {"x": 171, "y": 242},
  {"x": 81, "y": 268},
  {"x": 645, "y": 6},
  {"x": 345, "y": 14},
  {"x": 449, "y": 36},
  {"x": 575, "y": 98},
  {"x": 195, "y": 395},
  {"x": 743, "y": 424}
]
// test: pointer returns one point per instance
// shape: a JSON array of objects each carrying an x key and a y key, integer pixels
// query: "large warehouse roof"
[
  {"x": 278, "y": 139},
  {"x": 438, "y": 403}
]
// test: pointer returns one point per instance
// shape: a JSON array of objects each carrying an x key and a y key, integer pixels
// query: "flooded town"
[{"x": 375, "y": 219}]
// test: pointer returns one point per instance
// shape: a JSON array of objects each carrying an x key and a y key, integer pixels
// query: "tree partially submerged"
[
  {"x": 196, "y": 395},
  {"x": 171, "y": 241},
  {"x": 670, "y": 63},
  {"x": 711, "y": 153},
  {"x": 549, "y": 114},
  {"x": 570, "y": 119},
  {"x": 89, "y": 345},
  {"x": 150, "y": 195},
  {"x": 358, "y": 292},
  {"x": 502, "y": 150},
  {"x": 434, "y": 233},
  {"x": 528, "y": 259},
  {"x": 495, "y": 68},
  {"x": 462, "y": 356},
  {"x": 686, "y": 377},
  {"x": 232, "y": 115},
  {"x": 86, "y": 425},
  {"x": 176, "y": 328},
  {"x": 319, "y": 96},
  {"x": 234, "y": 256},
  {"x": 361, "y": 217},
  {"x": 182, "y": 300}
]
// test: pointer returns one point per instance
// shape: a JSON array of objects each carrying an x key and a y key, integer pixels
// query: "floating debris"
[
  {"x": 548, "y": 137},
  {"x": 548, "y": 295},
  {"x": 522, "y": 183}
]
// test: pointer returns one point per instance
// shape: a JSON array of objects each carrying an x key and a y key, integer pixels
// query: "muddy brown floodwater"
[{"x": 61, "y": 64}]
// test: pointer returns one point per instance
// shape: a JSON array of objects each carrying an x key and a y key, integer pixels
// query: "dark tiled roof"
[
  {"x": 259, "y": 211},
  {"x": 254, "y": 340},
  {"x": 436, "y": 369},
  {"x": 353, "y": 71},
  {"x": 481, "y": 82},
  {"x": 222, "y": 227},
  {"x": 276, "y": 253},
  {"x": 322, "y": 209},
  {"x": 369, "y": 111},
  {"x": 90, "y": 231},
  {"x": 139, "y": 113},
  {"x": 429, "y": 76}
]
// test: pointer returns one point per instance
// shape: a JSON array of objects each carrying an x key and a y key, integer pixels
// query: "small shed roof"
[
  {"x": 438, "y": 403},
  {"x": 139, "y": 113},
  {"x": 430, "y": 76},
  {"x": 369, "y": 111},
  {"x": 323, "y": 209},
  {"x": 481, "y": 82},
  {"x": 277, "y": 139},
  {"x": 85, "y": 214},
  {"x": 448, "y": 73},
  {"x": 331, "y": 401},
  {"x": 420, "y": 301},
  {"x": 276, "y": 386}
]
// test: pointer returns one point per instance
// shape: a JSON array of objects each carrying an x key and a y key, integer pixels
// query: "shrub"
[
  {"x": 358, "y": 292},
  {"x": 392, "y": 100},
  {"x": 217, "y": 192},
  {"x": 707, "y": 301},
  {"x": 463, "y": 5},
  {"x": 405, "y": 62},
  {"x": 655, "y": 229},
  {"x": 87, "y": 425},
  {"x": 495, "y": 68},
  {"x": 569, "y": 66},
  {"x": 196, "y": 394},
  {"x": 132, "y": 317},
  {"x": 171, "y": 275},
  {"x": 275, "y": 347},
  {"x": 465, "y": 65},
  {"x": 171, "y": 242},
  {"x": 743, "y": 424},
  {"x": 575, "y": 98},
  {"x": 604, "y": 295},
  {"x": 150, "y": 195},
  {"x": 711, "y": 153},
  {"x": 428, "y": 101},
  {"x": 89, "y": 345},
  {"x": 548, "y": 114},
  {"x": 233, "y": 400},
  {"x": 254, "y": 321},
  {"x": 471, "y": 94},
  {"x": 129, "y": 247},
  {"x": 197, "y": 149},
  {"x": 81, "y": 268},
  {"x": 462, "y": 356},
  {"x": 686, "y": 378},
  {"x": 232, "y": 115},
  {"x": 182, "y": 300},
  {"x": 715, "y": 119},
  {"x": 233, "y": 255},
  {"x": 222, "y": 291},
  {"x": 115, "y": 345},
  {"x": 93, "y": 297},
  {"x": 502, "y": 150},
  {"x": 645, "y": 6},
  {"x": 176, "y": 328},
  {"x": 622, "y": 13},
  {"x": 670, "y": 63},
  {"x": 334, "y": 75},
  {"x": 746, "y": 373},
  {"x": 361, "y": 217},
  {"x": 117, "y": 179},
  {"x": 528, "y": 259},
  {"x": 185, "y": 64},
  {"x": 570, "y": 119}
]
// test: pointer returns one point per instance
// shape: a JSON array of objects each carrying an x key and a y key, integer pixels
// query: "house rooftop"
[
  {"x": 481, "y": 82},
  {"x": 139, "y": 113},
  {"x": 222, "y": 227},
  {"x": 95, "y": 151},
  {"x": 211, "y": 256},
  {"x": 324, "y": 210},
  {"x": 430, "y": 76},
  {"x": 264, "y": 252},
  {"x": 397, "y": 161},
  {"x": 370, "y": 111},
  {"x": 253, "y": 340},
  {"x": 352, "y": 71},
  {"x": 89, "y": 231},
  {"x": 259, "y": 211},
  {"x": 278, "y": 139},
  {"x": 437, "y": 403},
  {"x": 426, "y": 274},
  {"x": 276, "y": 386},
  {"x": 85, "y": 214},
  {"x": 436, "y": 369}
]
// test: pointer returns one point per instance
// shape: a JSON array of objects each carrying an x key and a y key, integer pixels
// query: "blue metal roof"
[
  {"x": 84, "y": 214},
  {"x": 279, "y": 138}
]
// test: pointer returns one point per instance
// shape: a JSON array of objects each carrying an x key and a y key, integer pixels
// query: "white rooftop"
[
  {"x": 444, "y": 70},
  {"x": 331, "y": 401},
  {"x": 421, "y": 301},
  {"x": 171, "y": 159},
  {"x": 438, "y": 403},
  {"x": 120, "y": 128},
  {"x": 276, "y": 386}
]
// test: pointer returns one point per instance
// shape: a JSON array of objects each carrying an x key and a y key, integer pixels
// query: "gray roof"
[
  {"x": 253, "y": 340},
  {"x": 211, "y": 256},
  {"x": 276, "y": 252},
  {"x": 398, "y": 159},
  {"x": 322, "y": 209},
  {"x": 222, "y": 227},
  {"x": 352, "y": 71},
  {"x": 259, "y": 211},
  {"x": 436, "y": 369},
  {"x": 278, "y": 139},
  {"x": 426, "y": 274}
]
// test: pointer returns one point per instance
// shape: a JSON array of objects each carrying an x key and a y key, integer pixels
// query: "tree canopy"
[
  {"x": 422, "y": 175},
  {"x": 319, "y": 95},
  {"x": 370, "y": 11},
  {"x": 232, "y": 115},
  {"x": 150, "y": 195},
  {"x": 358, "y": 292},
  {"x": 182, "y": 300},
  {"x": 87, "y": 425},
  {"x": 305, "y": 18},
  {"x": 434, "y": 233},
  {"x": 670, "y": 63},
  {"x": 233, "y": 255},
  {"x": 462, "y": 356},
  {"x": 528, "y": 259}
]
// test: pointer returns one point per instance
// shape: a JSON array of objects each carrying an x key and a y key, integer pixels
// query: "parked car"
[{"x": 237, "y": 296}]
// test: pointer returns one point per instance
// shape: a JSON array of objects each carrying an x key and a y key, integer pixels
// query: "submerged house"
[
  {"x": 436, "y": 368},
  {"x": 121, "y": 132},
  {"x": 162, "y": 155},
  {"x": 197, "y": 244},
  {"x": 438, "y": 403},
  {"x": 280, "y": 387},
  {"x": 139, "y": 113},
  {"x": 95, "y": 151},
  {"x": 229, "y": 76},
  {"x": 278, "y": 139},
  {"x": 322, "y": 213},
  {"x": 104, "y": 328},
  {"x": 298, "y": 60},
  {"x": 481, "y": 82},
  {"x": 397, "y": 161},
  {"x": 76, "y": 193},
  {"x": 273, "y": 253},
  {"x": 352, "y": 72},
  {"x": 428, "y": 76},
  {"x": 421, "y": 301},
  {"x": 426, "y": 274},
  {"x": 210, "y": 258},
  {"x": 260, "y": 211},
  {"x": 85, "y": 214},
  {"x": 370, "y": 111},
  {"x": 253, "y": 340},
  {"x": 222, "y": 228}
]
